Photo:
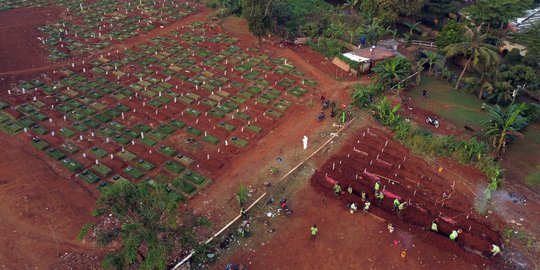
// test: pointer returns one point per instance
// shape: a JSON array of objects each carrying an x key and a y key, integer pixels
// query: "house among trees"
[{"x": 361, "y": 61}]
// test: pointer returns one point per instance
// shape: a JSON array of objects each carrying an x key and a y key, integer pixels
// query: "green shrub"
[
  {"x": 327, "y": 47},
  {"x": 84, "y": 230},
  {"x": 242, "y": 194}
]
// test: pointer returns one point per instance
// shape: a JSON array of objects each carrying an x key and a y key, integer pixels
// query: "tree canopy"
[
  {"x": 258, "y": 15},
  {"x": 496, "y": 13},
  {"x": 474, "y": 48},
  {"x": 390, "y": 10},
  {"x": 145, "y": 220}
]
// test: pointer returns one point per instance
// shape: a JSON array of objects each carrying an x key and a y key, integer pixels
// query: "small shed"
[{"x": 368, "y": 57}]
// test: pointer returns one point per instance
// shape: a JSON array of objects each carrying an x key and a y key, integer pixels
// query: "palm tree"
[
  {"x": 500, "y": 92},
  {"x": 413, "y": 26},
  {"x": 488, "y": 77},
  {"x": 392, "y": 70},
  {"x": 474, "y": 48},
  {"x": 504, "y": 123},
  {"x": 432, "y": 59},
  {"x": 353, "y": 5}
]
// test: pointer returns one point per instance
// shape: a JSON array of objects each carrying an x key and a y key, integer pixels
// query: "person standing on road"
[
  {"x": 363, "y": 195},
  {"x": 424, "y": 93},
  {"x": 243, "y": 213},
  {"x": 349, "y": 189},
  {"x": 314, "y": 231}
]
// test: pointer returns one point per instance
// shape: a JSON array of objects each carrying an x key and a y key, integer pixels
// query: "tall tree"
[
  {"x": 474, "y": 49},
  {"x": 503, "y": 124},
  {"x": 257, "y": 14},
  {"x": 500, "y": 92},
  {"x": 432, "y": 59}
]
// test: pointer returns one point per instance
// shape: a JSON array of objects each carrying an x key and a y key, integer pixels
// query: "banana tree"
[
  {"x": 432, "y": 59},
  {"x": 503, "y": 124}
]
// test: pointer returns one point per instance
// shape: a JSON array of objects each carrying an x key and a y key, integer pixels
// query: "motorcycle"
[
  {"x": 325, "y": 104},
  {"x": 321, "y": 116},
  {"x": 433, "y": 121}
]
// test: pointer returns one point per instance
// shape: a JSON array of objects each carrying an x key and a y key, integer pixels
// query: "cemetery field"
[{"x": 172, "y": 110}]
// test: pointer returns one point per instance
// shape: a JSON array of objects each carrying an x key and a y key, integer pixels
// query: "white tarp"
[{"x": 356, "y": 58}]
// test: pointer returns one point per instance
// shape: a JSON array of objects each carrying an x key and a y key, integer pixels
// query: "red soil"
[
  {"x": 371, "y": 155},
  {"x": 42, "y": 210},
  {"x": 346, "y": 241},
  {"x": 20, "y": 48}
]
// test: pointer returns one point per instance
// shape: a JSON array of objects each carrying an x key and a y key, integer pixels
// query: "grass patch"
[
  {"x": 55, "y": 154},
  {"x": 101, "y": 169},
  {"x": 126, "y": 155},
  {"x": 144, "y": 165},
  {"x": 39, "y": 143},
  {"x": 533, "y": 179},
  {"x": 254, "y": 128},
  {"x": 174, "y": 167},
  {"x": 239, "y": 142},
  {"x": 167, "y": 150},
  {"x": 72, "y": 165},
  {"x": 89, "y": 177},
  {"x": 195, "y": 177},
  {"x": 85, "y": 230},
  {"x": 211, "y": 139},
  {"x": 133, "y": 172},
  {"x": 184, "y": 186},
  {"x": 458, "y": 107}
]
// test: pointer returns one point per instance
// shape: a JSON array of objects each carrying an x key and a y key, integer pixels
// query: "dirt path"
[
  {"x": 41, "y": 211},
  {"x": 344, "y": 241},
  {"x": 253, "y": 166}
]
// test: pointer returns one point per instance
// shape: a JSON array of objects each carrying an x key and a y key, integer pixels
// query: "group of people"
[
  {"x": 333, "y": 113},
  {"x": 397, "y": 206},
  {"x": 454, "y": 235},
  {"x": 379, "y": 196}
]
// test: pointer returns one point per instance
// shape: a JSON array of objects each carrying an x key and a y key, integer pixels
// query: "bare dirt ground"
[
  {"x": 20, "y": 48},
  {"x": 42, "y": 211}
]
